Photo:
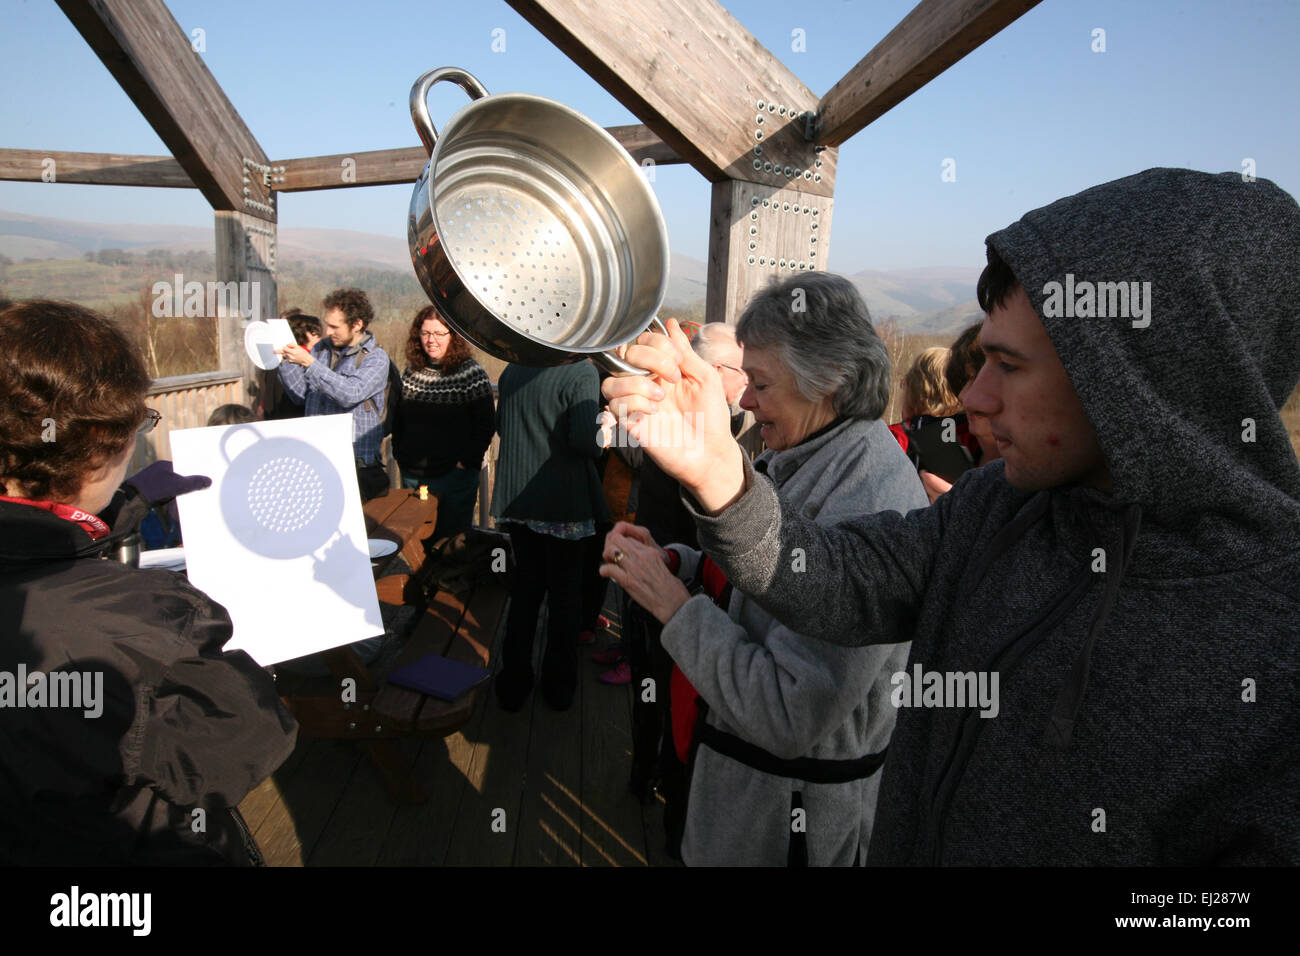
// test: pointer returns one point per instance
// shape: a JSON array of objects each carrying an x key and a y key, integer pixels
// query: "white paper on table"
[{"x": 279, "y": 539}]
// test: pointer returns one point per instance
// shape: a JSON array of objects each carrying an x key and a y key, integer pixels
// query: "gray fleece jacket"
[
  {"x": 792, "y": 696},
  {"x": 1149, "y": 713}
]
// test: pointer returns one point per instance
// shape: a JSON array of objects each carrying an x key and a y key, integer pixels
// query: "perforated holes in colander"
[{"x": 285, "y": 495}]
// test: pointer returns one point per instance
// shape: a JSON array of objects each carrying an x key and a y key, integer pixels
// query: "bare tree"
[{"x": 895, "y": 339}]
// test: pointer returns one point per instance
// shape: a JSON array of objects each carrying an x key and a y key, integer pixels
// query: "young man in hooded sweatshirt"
[{"x": 1129, "y": 572}]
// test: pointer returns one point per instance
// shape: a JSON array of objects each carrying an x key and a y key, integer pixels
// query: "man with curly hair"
[{"x": 346, "y": 371}]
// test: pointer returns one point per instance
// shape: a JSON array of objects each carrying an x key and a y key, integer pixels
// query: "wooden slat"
[
  {"x": 550, "y": 822},
  {"x": 401, "y": 517},
  {"x": 481, "y": 770},
  {"x": 483, "y": 614},
  {"x": 185, "y": 401},
  {"x": 934, "y": 36},
  {"x": 182, "y": 383},
  {"x": 383, "y": 167},
  {"x": 104, "y": 169},
  {"x": 150, "y": 56},
  {"x": 757, "y": 233},
  {"x": 266, "y": 804},
  {"x": 613, "y": 833},
  {"x": 393, "y": 588},
  {"x": 693, "y": 75},
  {"x": 308, "y": 797},
  {"x": 400, "y": 706},
  {"x": 364, "y": 812},
  {"x": 378, "y": 510}
]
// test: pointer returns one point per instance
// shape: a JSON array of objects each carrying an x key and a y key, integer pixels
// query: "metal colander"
[{"x": 532, "y": 229}]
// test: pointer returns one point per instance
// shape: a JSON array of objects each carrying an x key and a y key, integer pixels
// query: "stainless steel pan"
[{"x": 532, "y": 230}]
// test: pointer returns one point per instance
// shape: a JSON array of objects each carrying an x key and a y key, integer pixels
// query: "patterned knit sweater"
[{"x": 443, "y": 419}]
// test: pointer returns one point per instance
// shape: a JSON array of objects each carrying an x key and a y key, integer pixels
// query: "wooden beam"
[
  {"x": 758, "y": 233},
  {"x": 383, "y": 167},
  {"x": 150, "y": 56},
  {"x": 699, "y": 80},
  {"x": 370, "y": 168},
  {"x": 104, "y": 169},
  {"x": 934, "y": 36},
  {"x": 643, "y": 143},
  {"x": 379, "y": 167}
]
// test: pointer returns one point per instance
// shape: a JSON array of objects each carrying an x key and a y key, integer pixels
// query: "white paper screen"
[{"x": 279, "y": 539}]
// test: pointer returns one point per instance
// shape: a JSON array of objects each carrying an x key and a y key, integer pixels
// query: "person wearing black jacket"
[
  {"x": 128, "y": 737},
  {"x": 444, "y": 420}
]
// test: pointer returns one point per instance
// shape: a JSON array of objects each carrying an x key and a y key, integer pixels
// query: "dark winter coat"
[{"x": 183, "y": 726}]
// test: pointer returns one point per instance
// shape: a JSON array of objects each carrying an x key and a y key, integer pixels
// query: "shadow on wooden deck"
[{"x": 560, "y": 779}]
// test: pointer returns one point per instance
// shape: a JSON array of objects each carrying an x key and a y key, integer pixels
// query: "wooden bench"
[{"x": 457, "y": 626}]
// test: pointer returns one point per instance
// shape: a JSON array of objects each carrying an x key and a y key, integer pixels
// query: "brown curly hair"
[
  {"x": 353, "y": 303},
  {"x": 457, "y": 349},
  {"x": 72, "y": 394},
  {"x": 965, "y": 359}
]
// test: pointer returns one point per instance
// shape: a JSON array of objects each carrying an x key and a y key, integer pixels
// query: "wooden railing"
[{"x": 185, "y": 401}]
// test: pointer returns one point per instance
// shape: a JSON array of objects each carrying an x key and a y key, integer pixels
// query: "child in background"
[
  {"x": 933, "y": 431},
  {"x": 231, "y": 415},
  {"x": 307, "y": 331}
]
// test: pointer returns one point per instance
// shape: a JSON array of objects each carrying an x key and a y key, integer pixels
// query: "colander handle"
[
  {"x": 420, "y": 92},
  {"x": 230, "y": 432},
  {"x": 615, "y": 365}
]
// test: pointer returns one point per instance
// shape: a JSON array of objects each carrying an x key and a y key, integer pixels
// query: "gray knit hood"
[
  {"x": 1132, "y": 691},
  {"x": 1220, "y": 350},
  {"x": 1183, "y": 383}
]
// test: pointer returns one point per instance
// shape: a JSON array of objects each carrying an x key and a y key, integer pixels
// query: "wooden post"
[
  {"x": 758, "y": 233},
  {"x": 245, "y": 253}
]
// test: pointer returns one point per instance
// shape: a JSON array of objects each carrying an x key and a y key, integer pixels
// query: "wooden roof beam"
[
  {"x": 102, "y": 169},
  {"x": 695, "y": 76},
  {"x": 384, "y": 167},
  {"x": 934, "y": 36},
  {"x": 150, "y": 56}
]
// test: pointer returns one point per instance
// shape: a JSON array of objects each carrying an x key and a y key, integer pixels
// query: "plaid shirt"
[{"x": 333, "y": 384}]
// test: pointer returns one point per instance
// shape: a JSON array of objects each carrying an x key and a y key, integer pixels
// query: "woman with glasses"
[
  {"x": 787, "y": 754},
  {"x": 444, "y": 422},
  {"x": 136, "y": 736}
]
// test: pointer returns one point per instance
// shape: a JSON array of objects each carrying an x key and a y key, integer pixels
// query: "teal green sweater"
[{"x": 549, "y": 444}]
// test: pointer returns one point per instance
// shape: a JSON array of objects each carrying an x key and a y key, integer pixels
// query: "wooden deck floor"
[{"x": 559, "y": 778}]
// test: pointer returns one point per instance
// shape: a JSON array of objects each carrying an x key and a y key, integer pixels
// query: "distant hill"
[{"x": 935, "y": 301}]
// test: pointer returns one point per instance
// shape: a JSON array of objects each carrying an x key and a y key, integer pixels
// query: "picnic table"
[{"x": 458, "y": 626}]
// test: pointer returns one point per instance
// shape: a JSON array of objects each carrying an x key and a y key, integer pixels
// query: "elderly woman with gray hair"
[{"x": 787, "y": 758}]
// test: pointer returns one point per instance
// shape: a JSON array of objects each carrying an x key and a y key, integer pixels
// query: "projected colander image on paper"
[
  {"x": 279, "y": 539},
  {"x": 285, "y": 494},
  {"x": 282, "y": 497}
]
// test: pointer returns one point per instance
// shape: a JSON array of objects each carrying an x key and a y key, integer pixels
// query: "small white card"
[{"x": 281, "y": 333}]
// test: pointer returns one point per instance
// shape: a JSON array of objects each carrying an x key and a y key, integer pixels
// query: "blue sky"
[{"x": 1032, "y": 115}]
